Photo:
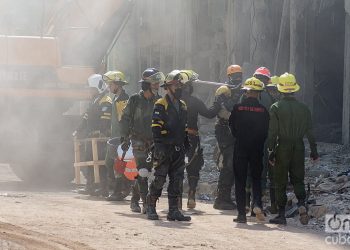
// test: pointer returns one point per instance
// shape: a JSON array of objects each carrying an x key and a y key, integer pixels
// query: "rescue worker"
[
  {"x": 136, "y": 124},
  {"x": 290, "y": 121},
  {"x": 266, "y": 98},
  {"x": 170, "y": 144},
  {"x": 249, "y": 122},
  {"x": 115, "y": 80},
  {"x": 96, "y": 122},
  {"x": 195, "y": 107},
  {"x": 271, "y": 88},
  {"x": 227, "y": 96}
]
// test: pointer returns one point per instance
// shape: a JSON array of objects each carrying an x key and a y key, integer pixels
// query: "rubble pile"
[{"x": 328, "y": 181}]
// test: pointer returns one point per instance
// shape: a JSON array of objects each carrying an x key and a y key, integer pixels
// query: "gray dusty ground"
[{"x": 46, "y": 218}]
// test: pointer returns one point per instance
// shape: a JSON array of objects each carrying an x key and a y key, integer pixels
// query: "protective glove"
[
  {"x": 160, "y": 151},
  {"x": 314, "y": 156},
  {"x": 219, "y": 100}
]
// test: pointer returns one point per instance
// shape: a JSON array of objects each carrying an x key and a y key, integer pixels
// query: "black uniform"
[
  {"x": 249, "y": 123},
  {"x": 170, "y": 139},
  {"x": 196, "y": 107},
  {"x": 96, "y": 122}
]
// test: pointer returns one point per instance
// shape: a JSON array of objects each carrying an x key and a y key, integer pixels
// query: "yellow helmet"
[
  {"x": 253, "y": 84},
  {"x": 273, "y": 81},
  {"x": 174, "y": 76},
  {"x": 288, "y": 84},
  {"x": 188, "y": 76},
  {"x": 223, "y": 90},
  {"x": 114, "y": 77}
]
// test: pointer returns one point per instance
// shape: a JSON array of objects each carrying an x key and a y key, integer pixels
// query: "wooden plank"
[
  {"x": 77, "y": 159},
  {"x": 95, "y": 159},
  {"x": 89, "y": 163}
]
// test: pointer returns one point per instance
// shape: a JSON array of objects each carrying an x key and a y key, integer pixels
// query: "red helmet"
[{"x": 263, "y": 71}]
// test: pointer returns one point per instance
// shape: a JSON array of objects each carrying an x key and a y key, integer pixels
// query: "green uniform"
[
  {"x": 226, "y": 145},
  {"x": 290, "y": 121},
  {"x": 136, "y": 124}
]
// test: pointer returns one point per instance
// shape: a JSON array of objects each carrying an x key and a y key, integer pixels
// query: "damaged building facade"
[{"x": 308, "y": 38}]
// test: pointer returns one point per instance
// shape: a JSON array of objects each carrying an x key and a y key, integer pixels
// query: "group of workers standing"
[{"x": 260, "y": 129}]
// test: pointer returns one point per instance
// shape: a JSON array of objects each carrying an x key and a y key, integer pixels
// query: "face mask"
[
  {"x": 178, "y": 93},
  {"x": 235, "y": 82},
  {"x": 145, "y": 86}
]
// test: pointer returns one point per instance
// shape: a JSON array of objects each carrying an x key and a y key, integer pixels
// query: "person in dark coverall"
[
  {"x": 290, "y": 122},
  {"x": 249, "y": 123},
  {"x": 96, "y": 122},
  {"x": 227, "y": 95},
  {"x": 170, "y": 145},
  {"x": 266, "y": 98},
  {"x": 135, "y": 127},
  {"x": 195, "y": 107}
]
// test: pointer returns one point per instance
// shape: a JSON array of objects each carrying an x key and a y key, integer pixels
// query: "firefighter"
[
  {"x": 170, "y": 144},
  {"x": 136, "y": 124},
  {"x": 96, "y": 122},
  {"x": 249, "y": 122},
  {"x": 266, "y": 98},
  {"x": 195, "y": 107},
  {"x": 227, "y": 96},
  {"x": 290, "y": 121},
  {"x": 115, "y": 80}
]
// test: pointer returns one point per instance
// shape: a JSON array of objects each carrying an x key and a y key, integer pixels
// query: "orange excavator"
[{"x": 48, "y": 49}]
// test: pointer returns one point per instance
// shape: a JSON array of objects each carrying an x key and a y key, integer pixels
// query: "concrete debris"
[
  {"x": 318, "y": 211},
  {"x": 329, "y": 182}
]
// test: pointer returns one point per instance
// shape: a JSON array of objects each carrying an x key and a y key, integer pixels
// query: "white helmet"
[{"x": 95, "y": 81}]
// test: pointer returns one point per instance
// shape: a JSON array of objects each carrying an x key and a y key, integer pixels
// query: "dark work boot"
[
  {"x": 151, "y": 208},
  {"x": 224, "y": 201},
  {"x": 116, "y": 195},
  {"x": 192, "y": 183},
  {"x": 280, "y": 219},
  {"x": 135, "y": 207},
  {"x": 241, "y": 218},
  {"x": 191, "y": 202},
  {"x": 174, "y": 212}
]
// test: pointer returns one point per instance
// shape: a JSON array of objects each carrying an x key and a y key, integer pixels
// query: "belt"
[{"x": 192, "y": 131}]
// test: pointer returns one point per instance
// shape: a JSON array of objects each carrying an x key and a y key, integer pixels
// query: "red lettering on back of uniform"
[{"x": 251, "y": 109}]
